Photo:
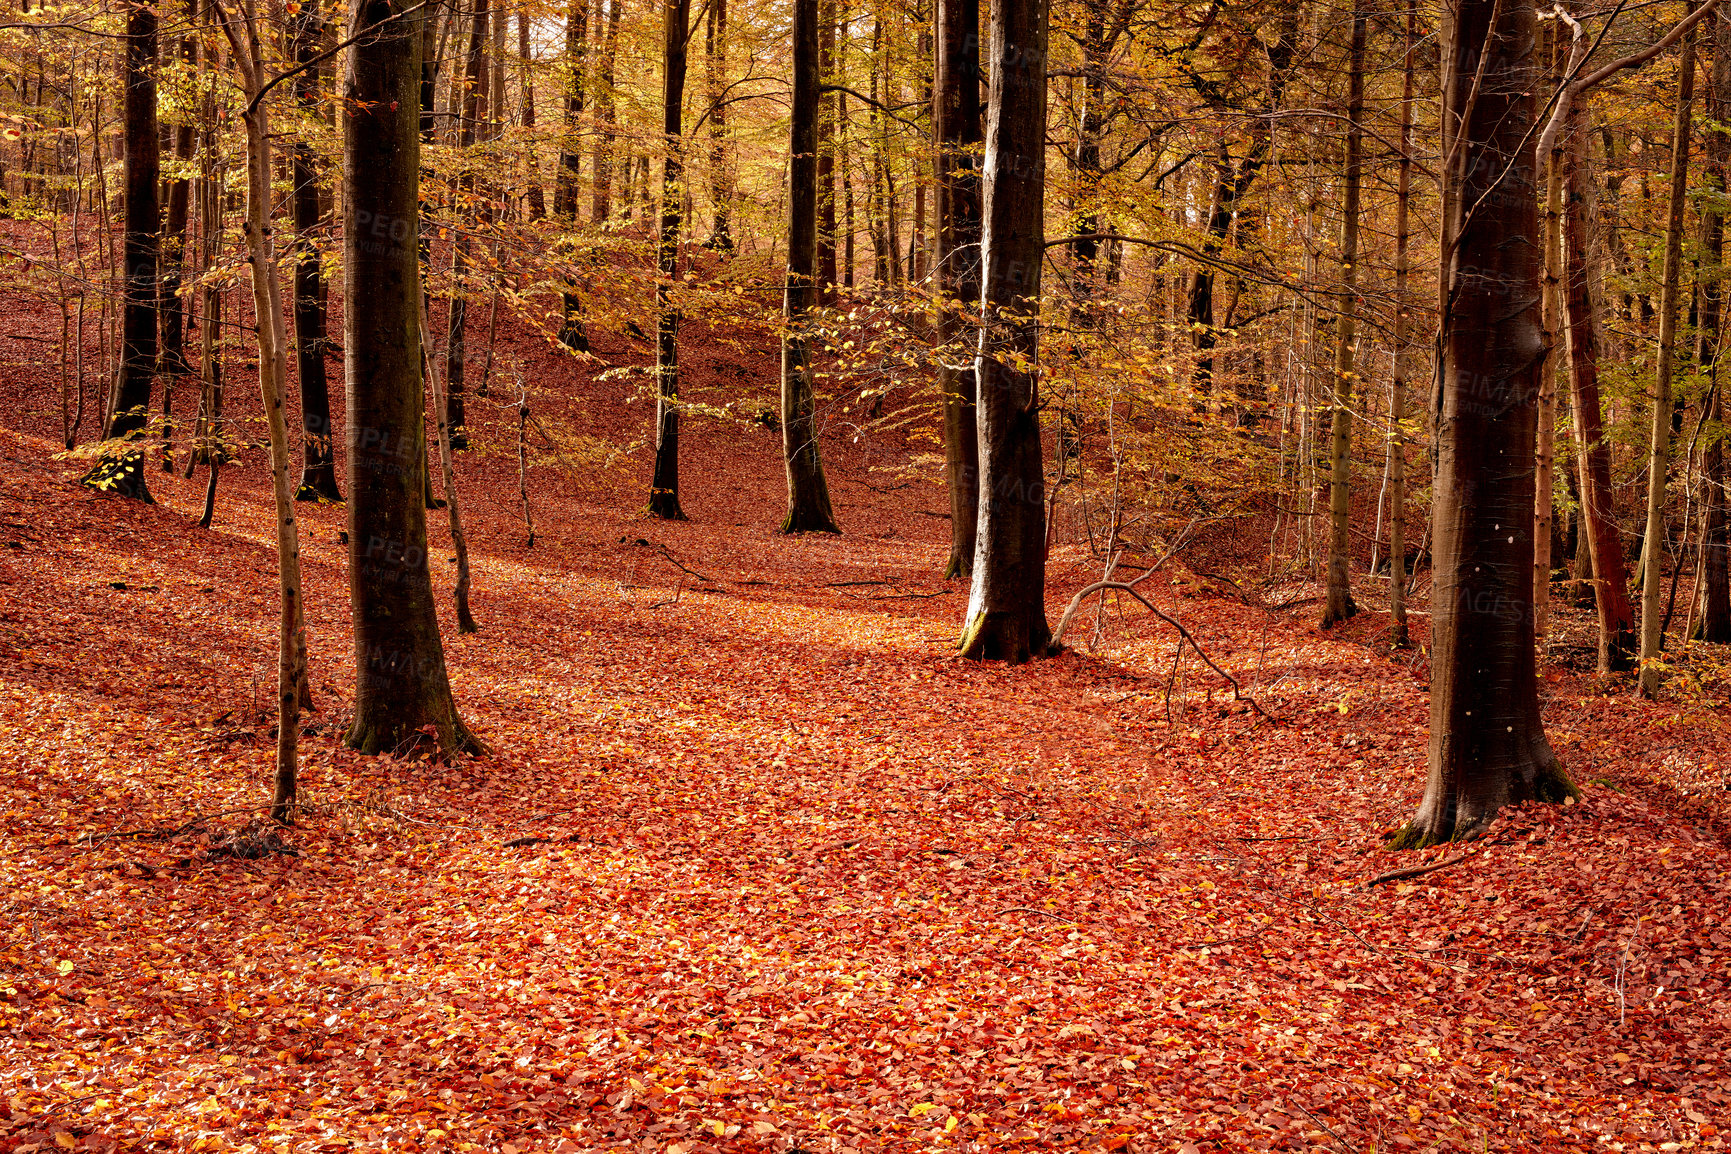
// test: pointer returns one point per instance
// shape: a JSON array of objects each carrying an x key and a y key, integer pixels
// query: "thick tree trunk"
[
  {"x": 664, "y": 487},
  {"x": 1487, "y": 742},
  {"x": 1402, "y": 355},
  {"x": 808, "y": 507},
  {"x": 1659, "y": 451},
  {"x": 172, "y": 365},
  {"x": 828, "y": 124},
  {"x": 1338, "y": 603},
  {"x": 121, "y": 470},
  {"x": 1592, "y": 453},
  {"x": 400, "y": 679},
  {"x": 318, "y": 470},
  {"x": 1006, "y": 617},
  {"x": 956, "y": 136},
  {"x": 537, "y": 199},
  {"x": 1544, "y": 477}
]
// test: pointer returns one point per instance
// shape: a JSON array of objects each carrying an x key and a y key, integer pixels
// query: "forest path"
[{"x": 806, "y": 881}]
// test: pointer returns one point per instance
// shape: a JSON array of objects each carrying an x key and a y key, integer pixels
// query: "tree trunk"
[
  {"x": 319, "y": 471},
  {"x": 604, "y": 112},
  {"x": 720, "y": 179},
  {"x": 1487, "y": 741},
  {"x": 470, "y": 128},
  {"x": 571, "y": 331},
  {"x": 1715, "y": 531},
  {"x": 172, "y": 365},
  {"x": 1545, "y": 459},
  {"x": 1339, "y": 604},
  {"x": 956, "y": 136},
  {"x": 1006, "y": 617},
  {"x": 1402, "y": 355},
  {"x": 1592, "y": 453},
  {"x": 122, "y": 470},
  {"x": 537, "y": 199},
  {"x": 664, "y": 487},
  {"x": 1659, "y": 453},
  {"x": 400, "y": 679},
  {"x": 828, "y": 122},
  {"x": 808, "y": 507}
]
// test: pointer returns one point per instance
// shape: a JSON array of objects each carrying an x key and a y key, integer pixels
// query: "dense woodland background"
[{"x": 595, "y": 403}]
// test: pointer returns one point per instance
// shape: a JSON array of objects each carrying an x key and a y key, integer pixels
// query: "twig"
[{"x": 1397, "y": 875}]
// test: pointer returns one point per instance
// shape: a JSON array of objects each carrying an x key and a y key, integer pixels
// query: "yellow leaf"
[
  {"x": 64, "y": 967},
  {"x": 922, "y": 1109},
  {"x": 65, "y": 1140},
  {"x": 1414, "y": 1113},
  {"x": 717, "y": 1128},
  {"x": 950, "y": 1123}
]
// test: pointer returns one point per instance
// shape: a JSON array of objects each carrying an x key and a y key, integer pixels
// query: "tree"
[
  {"x": 319, "y": 471},
  {"x": 1006, "y": 615},
  {"x": 1659, "y": 447},
  {"x": 1402, "y": 355},
  {"x": 1715, "y": 514},
  {"x": 571, "y": 332},
  {"x": 1487, "y": 742},
  {"x": 675, "y": 41},
  {"x": 400, "y": 681},
  {"x": 121, "y": 470},
  {"x": 808, "y": 508},
  {"x": 956, "y": 137},
  {"x": 1339, "y": 604},
  {"x": 471, "y": 127}
]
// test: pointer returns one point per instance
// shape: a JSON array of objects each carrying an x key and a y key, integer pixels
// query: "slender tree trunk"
[
  {"x": 1715, "y": 578},
  {"x": 720, "y": 177},
  {"x": 537, "y": 199},
  {"x": 828, "y": 123},
  {"x": 1402, "y": 355},
  {"x": 475, "y": 110},
  {"x": 808, "y": 507},
  {"x": 1006, "y": 616},
  {"x": 1339, "y": 603},
  {"x": 319, "y": 472},
  {"x": 172, "y": 365},
  {"x": 1592, "y": 453},
  {"x": 1544, "y": 479},
  {"x": 1659, "y": 454},
  {"x": 571, "y": 331},
  {"x": 122, "y": 470},
  {"x": 664, "y": 487},
  {"x": 400, "y": 679},
  {"x": 1487, "y": 741},
  {"x": 956, "y": 134}
]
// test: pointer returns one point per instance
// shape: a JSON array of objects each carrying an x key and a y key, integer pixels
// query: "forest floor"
[{"x": 754, "y": 863}]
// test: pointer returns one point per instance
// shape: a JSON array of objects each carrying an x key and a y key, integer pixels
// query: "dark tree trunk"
[
  {"x": 475, "y": 110},
  {"x": 720, "y": 179},
  {"x": 571, "y": 332},
  {"x": 808, "y": 507},
  {"x": 1006, "y": 616},
  {"x": 1592, "y": 453},
  {"x": 1339, "y": 604},
  {"x": 172, "y": 365},
  {"x": 319, "y": 471},
  {"x": 122, "y": 470},
  {"x": 537, "y": 200},
  {"x": 956, "y": 135},
  {"x": 828, "y": 125},
  {"x": 400, "y": 679},
  {"x": 664, "y": 487},
  {"x": 1487, "y": 742}
]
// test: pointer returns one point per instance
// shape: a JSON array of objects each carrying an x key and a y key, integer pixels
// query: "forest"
[{"x": 1115, "y": 575}]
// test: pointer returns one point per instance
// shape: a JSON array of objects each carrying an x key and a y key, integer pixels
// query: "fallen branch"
[
  {"x": 1397, "y": 875},
  {"x": 1042, "y": 913}
]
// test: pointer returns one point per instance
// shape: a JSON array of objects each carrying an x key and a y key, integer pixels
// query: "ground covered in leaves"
[{"x": 753, "y": 864}]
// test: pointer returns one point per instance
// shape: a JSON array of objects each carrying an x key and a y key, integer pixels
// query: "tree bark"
[
  {"x": 1659, "y": 451},
  {"x": 720, "y": 178},
  {"x": 664, "y": 487},
  {"x": 1402, "y": 355},
  {"x": 1487, "y": 741},
  {"x": 956, "y": 136},
  {"x": 476, "y": 87},
  {"x": 1592, "y": 453},
  {"x": 808, "y": 506},
  {"x": 1715, "y": 537},
  {"x": 828, "y": 122},
  {"x": 172, "y": 364},
  {"x": 602, "y": 208},
  {"x": 121, "y": 470},
  {"x": 318, "y": 470},
  {"x": 571, "y": 331},
  {"x": 1544, "y": 478},
  {"x": 1006, "y": 616},
  {"x": 537, "y": 199},
  {"x": 400, "y": 681},
  {"x": 1338, "y": 602}
]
